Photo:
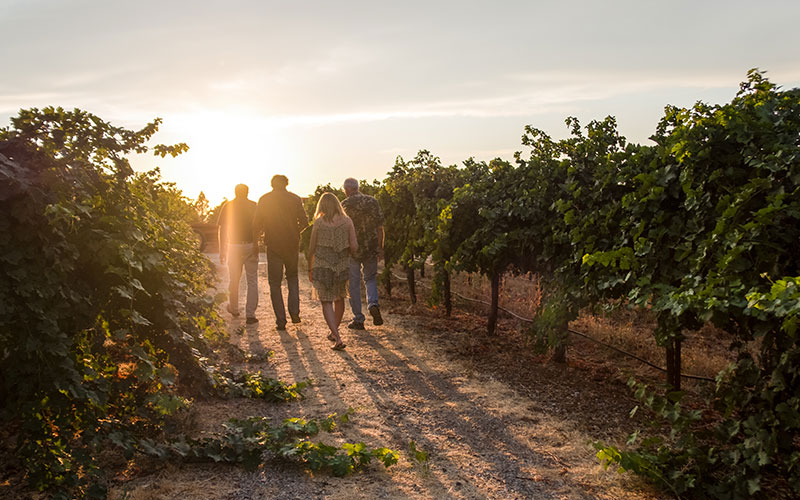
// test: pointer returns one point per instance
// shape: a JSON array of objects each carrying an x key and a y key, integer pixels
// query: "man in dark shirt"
[
  {"x": 238, "y": 247},
  {"x": 280, "y": 216},
  {"x": 367, "y": 218}
]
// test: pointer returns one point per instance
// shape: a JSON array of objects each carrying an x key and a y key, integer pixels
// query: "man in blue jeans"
[
  {"x": 237, "y": 246},
  {"x": 281, "y": 217},
  {"x": 367, "y": 218}
]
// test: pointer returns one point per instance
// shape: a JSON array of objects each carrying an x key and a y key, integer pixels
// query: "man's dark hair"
[
  {"x": 279, "y": 181},
  {"x": 241, "y": 190}
]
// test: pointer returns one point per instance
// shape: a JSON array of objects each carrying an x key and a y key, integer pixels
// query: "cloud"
[
  {"x": 515, "y": 95},
  {"x": 11, "y": 103}
]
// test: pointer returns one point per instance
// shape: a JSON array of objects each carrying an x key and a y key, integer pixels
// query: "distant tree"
[{"x": 201, "y": 206}]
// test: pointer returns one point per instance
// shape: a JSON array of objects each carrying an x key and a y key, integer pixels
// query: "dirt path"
[{"x": 485, "y": 439}]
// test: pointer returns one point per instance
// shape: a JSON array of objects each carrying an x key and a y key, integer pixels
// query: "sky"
[{"x": 324, "y": 90}]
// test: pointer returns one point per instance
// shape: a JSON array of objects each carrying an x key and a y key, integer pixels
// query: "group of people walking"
[{"x": 346, "y": 243}]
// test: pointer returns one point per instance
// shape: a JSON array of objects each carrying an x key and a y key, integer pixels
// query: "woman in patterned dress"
[{"x": 333, "y": 241}]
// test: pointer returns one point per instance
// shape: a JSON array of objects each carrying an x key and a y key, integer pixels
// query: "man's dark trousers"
[{"x": 276, "y": 265}]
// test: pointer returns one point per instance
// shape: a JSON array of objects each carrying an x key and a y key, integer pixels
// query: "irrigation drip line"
[{"x": 574, "y": 332}]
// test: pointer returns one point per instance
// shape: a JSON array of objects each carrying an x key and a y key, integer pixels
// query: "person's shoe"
[
  {"x": 356, "y": 325},
  {"x": 295, "y": 319},
  {"x": 250, "y": 321},
  {"x": 280, "y": 326},
  {"x": 375, "y": 311},
  {"x": 232, "y": 311}
]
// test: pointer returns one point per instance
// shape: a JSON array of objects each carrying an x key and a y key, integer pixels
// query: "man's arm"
[
  {"x": 312, "y": 248},
  {"x": 351, "y": 229},
  {"x": 302, "y": 218},
  {"x": 258, "y": 225},
  {"x": 381, "y": 235}
]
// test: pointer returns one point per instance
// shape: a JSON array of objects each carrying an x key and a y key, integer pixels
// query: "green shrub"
[{"x": 103, "y": 306}]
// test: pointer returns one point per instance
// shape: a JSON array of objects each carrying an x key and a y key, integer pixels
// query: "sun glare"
[{"x": 227, "y": 149}]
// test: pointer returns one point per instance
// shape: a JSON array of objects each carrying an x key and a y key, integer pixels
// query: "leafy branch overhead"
[{"x": 172, "y": 150}]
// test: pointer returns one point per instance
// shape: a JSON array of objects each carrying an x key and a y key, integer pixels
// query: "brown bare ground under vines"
[{"x": 497, "y": 420}]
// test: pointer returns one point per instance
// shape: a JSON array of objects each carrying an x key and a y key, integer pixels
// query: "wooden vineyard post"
[
  {"x": 412, "y": 284},
  {"x": 674, "y": 363},
  {"x": 495, "y": 303},
  {"x": 560, "y": 349},
  {"x": 387, "y": 282},
  {"x": 448, "y": 301}
]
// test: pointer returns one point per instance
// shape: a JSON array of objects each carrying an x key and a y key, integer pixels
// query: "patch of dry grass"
[{"x": 173, "y": 482}]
